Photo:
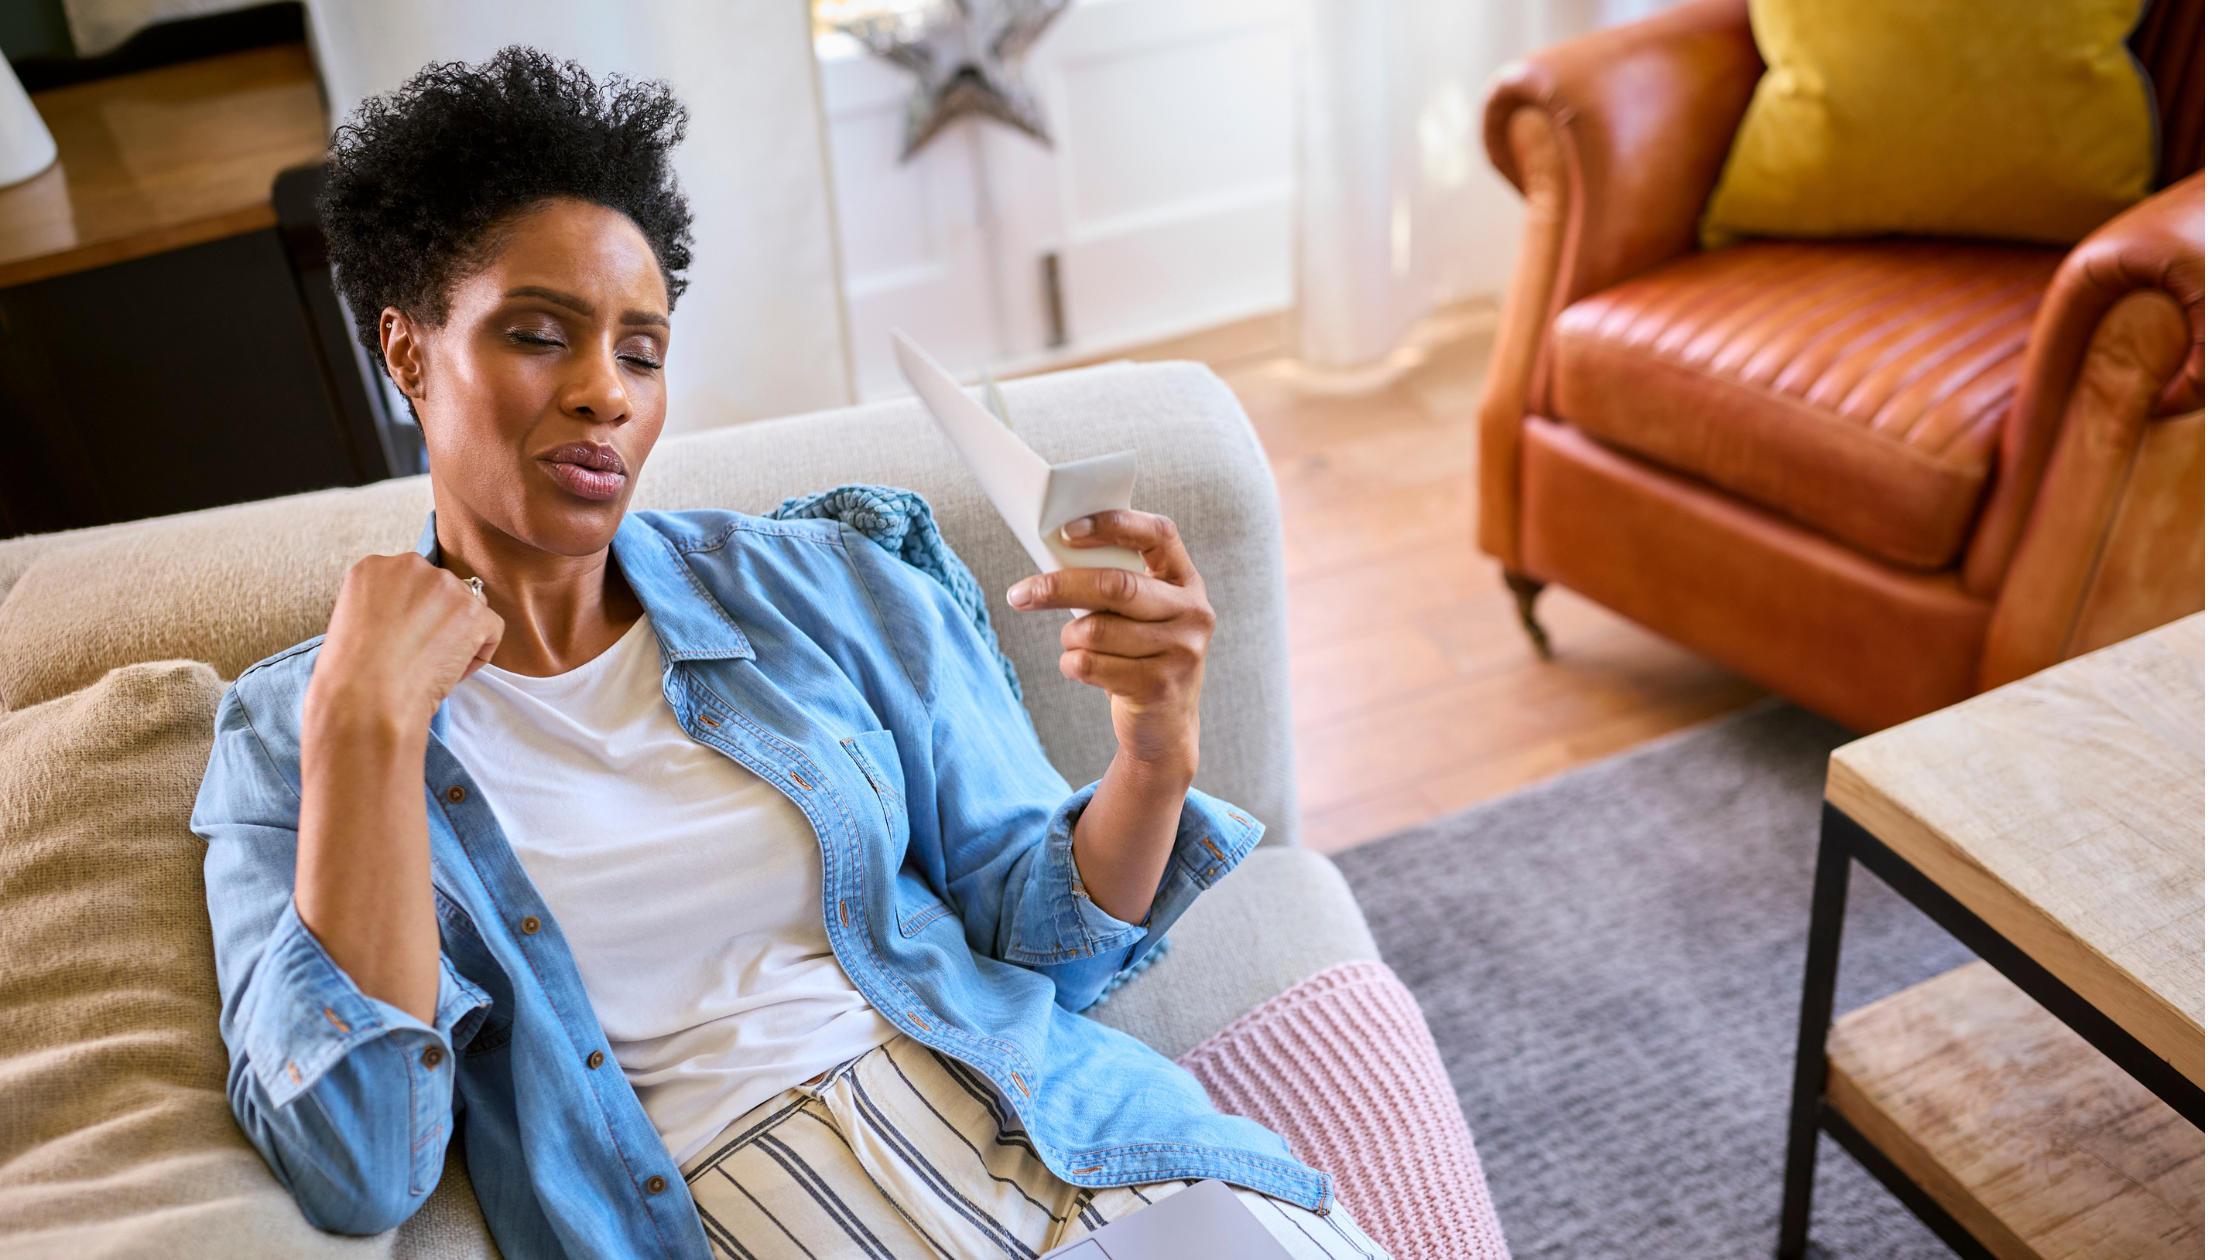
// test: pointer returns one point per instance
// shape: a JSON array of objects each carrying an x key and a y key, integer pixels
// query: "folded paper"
[{"x": 1034, "y": 497}]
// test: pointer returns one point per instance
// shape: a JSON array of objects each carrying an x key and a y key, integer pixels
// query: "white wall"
[{"x": 761, "y": 331}]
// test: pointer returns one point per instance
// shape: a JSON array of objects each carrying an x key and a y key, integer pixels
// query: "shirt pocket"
[
  {"x": 875, "y": 756},
  {"x": 917, "y": 907}
]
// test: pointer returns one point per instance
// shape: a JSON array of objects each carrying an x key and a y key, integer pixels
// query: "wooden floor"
[{"x": 1415, "y": 691}]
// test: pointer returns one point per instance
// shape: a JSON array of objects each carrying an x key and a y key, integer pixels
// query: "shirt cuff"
[
  {"x": 302, "y": 1014},
  {"x": 1065, "y": 925}
]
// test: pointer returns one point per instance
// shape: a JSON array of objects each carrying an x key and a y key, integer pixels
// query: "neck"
[{"x": 560, "y": 611}]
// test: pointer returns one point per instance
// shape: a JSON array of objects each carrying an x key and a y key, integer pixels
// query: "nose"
[{"x": 595, "y": 391}]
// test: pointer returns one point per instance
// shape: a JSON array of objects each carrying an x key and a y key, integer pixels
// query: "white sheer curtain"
[
  {"x": 1399, "y": 211},
  {"x": 760, "y": 333}
]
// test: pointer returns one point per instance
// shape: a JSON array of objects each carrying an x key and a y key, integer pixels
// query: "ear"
[{"x": 401, "y": 351}]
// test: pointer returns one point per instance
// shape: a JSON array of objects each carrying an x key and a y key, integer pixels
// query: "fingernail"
[
  {"x": 1080, "y": 528},
  {"x": 1017, "y": 595}
]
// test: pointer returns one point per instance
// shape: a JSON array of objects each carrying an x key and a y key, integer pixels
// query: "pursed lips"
[{"x": 586, "y": 469}]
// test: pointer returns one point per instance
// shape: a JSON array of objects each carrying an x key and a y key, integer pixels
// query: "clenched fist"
[{"x": 403, "y": 634}]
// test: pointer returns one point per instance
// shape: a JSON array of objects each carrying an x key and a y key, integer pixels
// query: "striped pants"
[{"x": 904, "y": 1153}]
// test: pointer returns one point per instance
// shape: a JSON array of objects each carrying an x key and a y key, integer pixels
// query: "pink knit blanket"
[{"x": 1342, "y": 1065}]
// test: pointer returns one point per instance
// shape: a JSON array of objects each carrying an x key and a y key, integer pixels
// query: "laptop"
[{"x": 1205, "y": 1222}]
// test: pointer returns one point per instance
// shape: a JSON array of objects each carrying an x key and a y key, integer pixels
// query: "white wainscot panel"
[
  {"x": 1176, "y": 154},
  {"x": 1175, "y": 120},
  {"x": 1207, "y": 267}
]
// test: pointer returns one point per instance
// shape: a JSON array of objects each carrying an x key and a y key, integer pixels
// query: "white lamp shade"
[{"x": 26, "y": 146}]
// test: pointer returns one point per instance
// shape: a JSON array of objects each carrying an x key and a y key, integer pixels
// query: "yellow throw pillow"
[{"x": 2013, "y": 119}]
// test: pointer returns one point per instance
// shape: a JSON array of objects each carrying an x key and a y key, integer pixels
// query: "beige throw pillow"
[{"x": 116, "y": 1138}]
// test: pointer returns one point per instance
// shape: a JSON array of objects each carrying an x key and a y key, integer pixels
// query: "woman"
[{"x": 758, "y": 918}]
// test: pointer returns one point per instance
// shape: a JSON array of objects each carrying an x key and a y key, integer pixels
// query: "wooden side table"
[{"x": 2054, "y": 826}]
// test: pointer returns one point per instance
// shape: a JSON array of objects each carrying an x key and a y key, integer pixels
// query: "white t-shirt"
[{"x": 689, "y": 889}]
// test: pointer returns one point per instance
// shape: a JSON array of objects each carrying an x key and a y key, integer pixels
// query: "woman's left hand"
[{"x": 1144, "y": 639}]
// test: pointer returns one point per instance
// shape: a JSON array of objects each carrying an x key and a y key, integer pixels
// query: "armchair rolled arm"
[
  {"x": 1615, "y": 139},
  {"x": 2095, "y": 528},
  {"x": 1643, "y": 115},
  {"x": 2158, "y": 244}
]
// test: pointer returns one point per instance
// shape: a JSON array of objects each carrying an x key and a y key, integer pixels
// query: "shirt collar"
[{"x": 686, "y": 618}]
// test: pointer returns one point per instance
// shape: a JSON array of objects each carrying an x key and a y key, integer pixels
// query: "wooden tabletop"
[
  {"x": 160, "y": 159},
  {"x": 2065, "y": 810}
]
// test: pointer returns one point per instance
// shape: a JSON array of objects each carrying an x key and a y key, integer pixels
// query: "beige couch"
[{"x": 115, "y": 1136}]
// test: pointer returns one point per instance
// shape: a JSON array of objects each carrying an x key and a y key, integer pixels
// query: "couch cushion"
[
  {"x": 116, "y": 1139},
  {"x": 1857, "y": 388}
]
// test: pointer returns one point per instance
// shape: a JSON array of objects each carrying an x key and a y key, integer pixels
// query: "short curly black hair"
[{"x": 420, "y": 177}]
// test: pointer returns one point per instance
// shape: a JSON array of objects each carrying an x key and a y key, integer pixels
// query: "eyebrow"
[{"x": 569, "y": 301}]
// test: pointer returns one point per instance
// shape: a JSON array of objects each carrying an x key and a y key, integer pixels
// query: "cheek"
[
  {"x": 477, "y": 410},
  {"x": 649, "y": 413}
]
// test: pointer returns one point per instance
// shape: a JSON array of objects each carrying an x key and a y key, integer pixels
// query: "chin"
[{"x": 574, "y": 529}]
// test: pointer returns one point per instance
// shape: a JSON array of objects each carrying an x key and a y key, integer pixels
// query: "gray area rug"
[{"x": 1611, "y": 962}]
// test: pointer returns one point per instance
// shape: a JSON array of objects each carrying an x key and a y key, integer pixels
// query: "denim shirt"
[{"x": 857, "y": 686}]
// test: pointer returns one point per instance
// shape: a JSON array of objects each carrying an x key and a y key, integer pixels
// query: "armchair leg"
[{"x": 1527, "y": 593}]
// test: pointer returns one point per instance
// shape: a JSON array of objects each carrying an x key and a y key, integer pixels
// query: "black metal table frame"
[{"x": 1843, "y": 841}]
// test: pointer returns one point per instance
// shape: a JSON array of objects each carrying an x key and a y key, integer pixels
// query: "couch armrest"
[
  {"x": 1615, "y": 139},
  {"x": 2095, "y": 530},
  {"x": 1281, "y": 916},
  {"x": 2157, "y": 245}
]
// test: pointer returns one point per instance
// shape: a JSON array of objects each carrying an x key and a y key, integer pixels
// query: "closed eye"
[{"x": 523, "y": 336}]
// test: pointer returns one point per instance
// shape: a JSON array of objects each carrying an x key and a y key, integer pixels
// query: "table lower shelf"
[{"x": 2023, "y": 1132}]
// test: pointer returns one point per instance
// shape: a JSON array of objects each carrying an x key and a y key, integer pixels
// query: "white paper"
[{"x": 1034, "y": 498}]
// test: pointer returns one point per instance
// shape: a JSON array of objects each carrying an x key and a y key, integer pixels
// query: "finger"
[
  {"x": 1152, "y": 535},
  {"x": 1113, "y": 635},
  {"x": 1134, "y": 595},
  {"x": 481, "y": 659},
  {"x": 492, "y": 628},
  {"x": 1140, "y": 683}
]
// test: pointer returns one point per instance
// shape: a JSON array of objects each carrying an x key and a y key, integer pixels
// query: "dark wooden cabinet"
[
  {"x": 183, "y": 380},
  {"x": 170, "y": 337}
]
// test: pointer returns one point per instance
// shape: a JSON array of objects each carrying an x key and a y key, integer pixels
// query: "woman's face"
[{"x": 542, "y": 392}]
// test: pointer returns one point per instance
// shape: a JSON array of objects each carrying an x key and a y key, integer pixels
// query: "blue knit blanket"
[{"x": 900, "y": 522}]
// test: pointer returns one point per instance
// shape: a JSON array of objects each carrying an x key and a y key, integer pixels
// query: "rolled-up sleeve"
[
  {"x": 1056, "y": 928},
  {"x": 997, "y": 825},
  {"x": 348, "y": 1098}
]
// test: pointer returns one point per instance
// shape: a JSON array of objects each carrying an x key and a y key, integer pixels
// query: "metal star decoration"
[{"x": 965, "y": 55}]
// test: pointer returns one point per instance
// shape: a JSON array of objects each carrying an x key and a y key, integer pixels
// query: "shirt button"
[
  {"x": 531, "y": 924},
  {"x": 432, "y": 1056},
  {"x": 456, "y": 794},
  {"x": 597, "y": 1057},
  {"x": 656, "y": 1184}
]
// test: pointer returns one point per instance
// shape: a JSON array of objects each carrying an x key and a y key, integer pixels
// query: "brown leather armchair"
[{"x": 1875, "y": 476}]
